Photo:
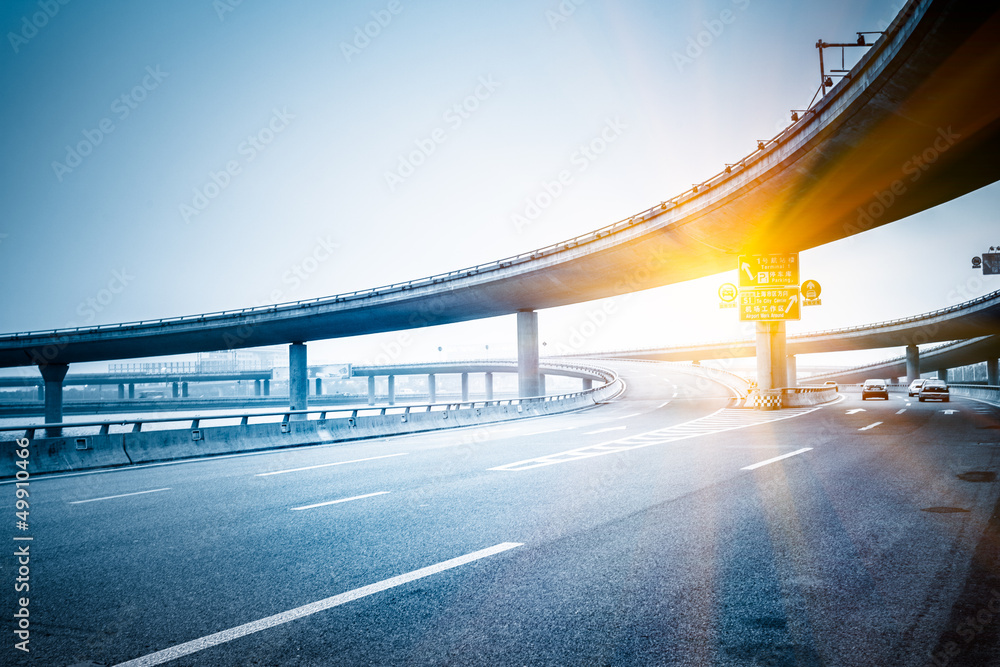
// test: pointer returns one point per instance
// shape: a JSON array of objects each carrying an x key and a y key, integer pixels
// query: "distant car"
[
  {"x": 934, "y": 390},
  {"x": 874, "y": 388},
  {"x": 915, "y": 386},
  {"x": 831, "y": 383}
]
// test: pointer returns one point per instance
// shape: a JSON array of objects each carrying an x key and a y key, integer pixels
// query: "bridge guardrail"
[
  {"x": 112, "y": 443},
  {"x": 983, "y": 392}
]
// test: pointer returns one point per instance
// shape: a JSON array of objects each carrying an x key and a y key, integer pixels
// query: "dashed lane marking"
[
  {"x": 187, "y": 648},
  {"x": 121, "y": 495},
  {"x": 870, "y": 426},
  {"x": 326, "y": 465},
  {"x": 605, "y": 430},
  {"x": 777, "y": 458},
  {"x": 341, "y": 500},
  {"x": 726, "y": 419}
]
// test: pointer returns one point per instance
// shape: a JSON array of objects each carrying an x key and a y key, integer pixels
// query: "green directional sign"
[
  {"x": 774, "y": 270},
  {"x": 770, "y": 305}
]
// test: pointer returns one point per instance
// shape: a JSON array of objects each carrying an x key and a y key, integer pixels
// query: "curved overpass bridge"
[{"x": 916, "y": 123}]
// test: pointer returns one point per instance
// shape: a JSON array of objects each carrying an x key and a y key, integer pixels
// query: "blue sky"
[{"x": 242, "y": 154}]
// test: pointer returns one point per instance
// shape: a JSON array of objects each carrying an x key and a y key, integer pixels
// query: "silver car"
[
  {"x": 915, "y": 386},
  {"x": 874, "y": 388},
  {"x": 934, "y": 390}
]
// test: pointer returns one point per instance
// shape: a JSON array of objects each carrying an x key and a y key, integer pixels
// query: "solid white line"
[
  {"x": 605, "y": 430},
  {"x": 629, "y": 416},
  {"x": 662, "y": 405},
  {"x": 865, "y": 428},
  {"x": 187, "y": 648},
  {"x": 123, "y": 495},
  {"x": 342, "y": 500},
  {"x": 901, "y": 411},
  {"x": 326, "y": 465},
  {"x": 776, "y": 458}
]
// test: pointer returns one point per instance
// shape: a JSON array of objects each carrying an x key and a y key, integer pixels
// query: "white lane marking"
[
  {"x": 899, "y": 412},
  {"x": 673, "y": 395},
  {"x": 122, "y": 495},
  {"x": 605, "y": 430},
  {"x": 629, "y": 416},
  {"x": 856, "y": 411},
  {"x": 342, "y": 500},
  {"x": 327, "y": 465},
  {"x": 949, "y": 412},
  {"x": 776, "y": 458},
  {"x": 908, "y": 404},
  {"x": 187, "y": 648},
  {"x": 724, "y": 419},
  {"x": 663, "y": 405},
  {"x": 865, "y": 428}
]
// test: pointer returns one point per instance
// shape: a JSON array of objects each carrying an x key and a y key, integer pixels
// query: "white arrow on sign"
[
  {"x": 746, "y": 267},
  {"x": 949, "y": 412},
  {"x": 791, "y": 302},
  {"x": 855, "y": 411}
]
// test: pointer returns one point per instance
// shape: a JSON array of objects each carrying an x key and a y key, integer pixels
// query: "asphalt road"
[{"x": 641, "y": 532}]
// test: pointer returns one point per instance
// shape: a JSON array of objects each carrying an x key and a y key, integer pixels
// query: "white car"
[
  {"x": 915, "y": 386},
  {"x": 873, "y": 388}
]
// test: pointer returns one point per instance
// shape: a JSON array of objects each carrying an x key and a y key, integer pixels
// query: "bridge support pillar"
[
  {"x": 489, "y": 386},
  {"x": 256, "y": 387},
  {"x": 912, "y": 363},
  {"x": 41, "y": 392},
  {"x": 465, "y": 387},
  {"x": 541, "y": 384},
  {"x": 371, "y": 390},
  {"x": 175, "y": 390},
  {"x": 184, "y": 389},
  {"x": 587, "y": 384},
  {"x": 432, "y": 388},
  {"x": 943, "y": 375},
  {"x": 793, "y": 371},
  {"x": 267, "y": 387},
  {"x": 121, "y": 392},
  {"x": 53, "y": 374},
  {"x": 527, "y": 354},
  {"x": 392, "y": 390},
  {"x": 131, "y": 390},
  {"x": 319, "y": 386},
  {"x": 993, "y": 372},
  {"x": 772, "y": 371},
  {"x": 298, "y": 379}
]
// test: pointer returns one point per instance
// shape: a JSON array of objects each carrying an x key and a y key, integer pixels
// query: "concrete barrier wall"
[
  {"x": 120, "y": 449},
  {"x": 983, "y": 392},
  {"x": 803, "y": 397}
]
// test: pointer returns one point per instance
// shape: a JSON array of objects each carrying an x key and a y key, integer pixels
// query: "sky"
[{"x": 172, "y": 158}]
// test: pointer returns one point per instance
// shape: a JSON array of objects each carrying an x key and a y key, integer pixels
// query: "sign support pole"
[{"x": 772, "y": 369}]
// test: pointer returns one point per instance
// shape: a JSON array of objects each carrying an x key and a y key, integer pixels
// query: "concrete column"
[
  {"x": 319, "y": 386},
  {"x": 943, "y": 375},
  {"x": 267, "y": 387},
  {"x": 912, "y": 363},
  {"x": 184, "y": 389},
  {"x": 489, "y": 386},
  {"x": 256, "y": 387},
  {"x": 41, "y": 392},
  {"x": 772, "y": 372},
  {"x": 993, "y": 372},
  {"x": 131, "y": 390},
  {"x": 793, "y": 372},
  {"x": 121, "y": 392},
  {"x": 432, "y": 387},
  {"x": 465, "y": 387},
  {"x": 53, "y": 374},
  {"x": 392, "y": 390},
  {"x": 175, "y": 389},
  {"x": 371, "y": 390},
  {"x": 587, "y": 384},
  {"x": 527, "y": 354},
  {"x": 298, "y": 379},
  {"x": 541, "y": 384}
]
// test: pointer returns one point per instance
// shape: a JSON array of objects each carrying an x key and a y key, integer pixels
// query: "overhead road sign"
[
  {"x": 770, "y": 305},
  {"x": 811, "y": 290},
  {"x": 991, "y": 263},
  {"x": 774, "y": 270},
  {"x": 727, "y": 295}
]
